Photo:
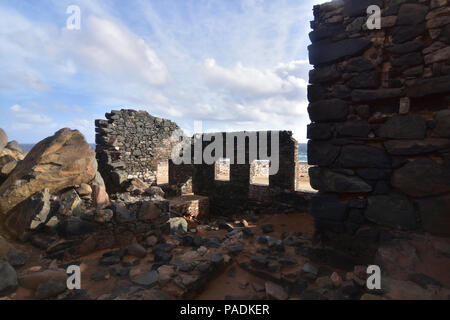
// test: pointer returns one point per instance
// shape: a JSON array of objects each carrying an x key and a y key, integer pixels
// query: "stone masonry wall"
[
  {"x": 380, "y": 117},
  {"x": 130, "y": 144},
  {"x": 238, "y": 195}
]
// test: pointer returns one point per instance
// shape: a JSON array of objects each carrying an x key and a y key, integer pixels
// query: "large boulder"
[
  {"x": 29, "y": 214},
  {"x": 57, "y": 162},
  {"x": 10, "y": 156}
]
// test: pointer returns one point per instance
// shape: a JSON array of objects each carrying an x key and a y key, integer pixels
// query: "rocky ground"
[
  {"x": 55, "y": 212},
  {"x": 265, "y": 257}
]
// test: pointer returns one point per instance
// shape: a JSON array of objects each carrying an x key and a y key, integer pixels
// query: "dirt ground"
[{"x": 406, "y": 256}]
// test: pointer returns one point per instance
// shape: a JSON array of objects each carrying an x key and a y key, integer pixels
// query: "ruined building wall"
[
  {"x": 237, "y": 195},
  {"x": 130, "y": 144},
  {"x": 380, "y": 118}
]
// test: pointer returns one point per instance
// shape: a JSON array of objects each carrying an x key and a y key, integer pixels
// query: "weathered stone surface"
[
  {"x": 323, "y": 75},
  {"x": 316, "y": 93},
  {"x": 8, "y": 278},
  {"x": 408, "y": 60},
  {"x": 29, "y": 215},
  {"x": 133, "y": 144},
  {"x": 442, "y": 128},
  {"x": 320, "y": 53},
  {"x": 3, "y": 139},
  {"x": 437, "y": 56},
  {"x": 341, "y": 92},
  {"x": 103, "y": 215},
  {"x": 319, "y": 131},
  {"x": 398, "y": 289},
  {"x": 407, "y": 47},
  {"x": 328, "y": 110},
  {"x": 148, "y": 280},
  {"x": 402, "y": 34},
  {"x": 274, "y": 291},
  {"x": 70, "y": 204},
  {"x": 84, "y": 190},
  {"x": 149, "y": 211},
  {"x": 49, "y": 289},
  {"x": 34, "y": 279},
  {"x": 178, "y": 224},
  {"x": 136, "y": 186},
  {"x": 358, "y": 64},
  {"x": 424, "y": 87},
  {"x": 356, "y": 25},
  {"x": 353, "y": 129},
  {"x": 411, "y": 14},
  {"x": 435, "y": 215},
  {"x": 393, "y": 210},
  {"x": 56, "y": 163},
  {"x": 122, "y": 214},
  {"x": 99, "y": 195},
  {"x": 380, "y": 94},
  {"x": 325, "y": 32},
  {"x": 415, "y": 147},
  {"x": 355, "y": 8},
  {"x": 329, "y": 207},
  {"x": 322, "y": 153},
  {"x": 365, "y": 80},
  {"x": 17, "y": 258},
  {"x": 136, "y": 250},
  {"x": 353, "y": 156},
  {"x": 445, "y": 34},
  {"x": 73, "y": 226},
  {"x": 404, "y": 127},
  {"x": 422, "y": 178},
  {"x": 326, "y": 180},
  {"x": 373, "y": 173}
]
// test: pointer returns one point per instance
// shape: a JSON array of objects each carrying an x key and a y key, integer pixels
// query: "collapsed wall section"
[
  {"x": 130, "y": 144},
  {"x": 380, "y": 117}
]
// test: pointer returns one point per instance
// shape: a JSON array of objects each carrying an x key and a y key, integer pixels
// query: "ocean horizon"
[{"x": 302, "y": 149}]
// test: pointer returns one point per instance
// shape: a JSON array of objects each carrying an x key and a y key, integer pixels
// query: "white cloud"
[
  {"x": 37, "y": 56},
  {"x": 236, "y": 66},
  {"x": 249, "y": 81},
  {"x": 28, "y": 117},
  {"x": 114, "y": 51}
]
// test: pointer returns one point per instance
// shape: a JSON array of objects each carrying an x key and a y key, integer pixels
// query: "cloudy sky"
[{"x": 232, "y": 64}]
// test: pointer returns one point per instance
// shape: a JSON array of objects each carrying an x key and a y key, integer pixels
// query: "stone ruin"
[
  {"x": 380, "y": 118},
  {"x": 228, "y": 188},
  {"x": 131, "y": 144},
  {"x": 379, "y": 151}
]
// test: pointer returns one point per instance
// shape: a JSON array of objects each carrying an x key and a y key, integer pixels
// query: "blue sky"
[{"x": 232, "y": 64}]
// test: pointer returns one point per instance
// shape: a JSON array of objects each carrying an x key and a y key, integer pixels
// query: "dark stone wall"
[
  {"x": 380, "y": 116},
  {"x": 130, "y": 144},
  {"x": 237, "y": 195}
]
